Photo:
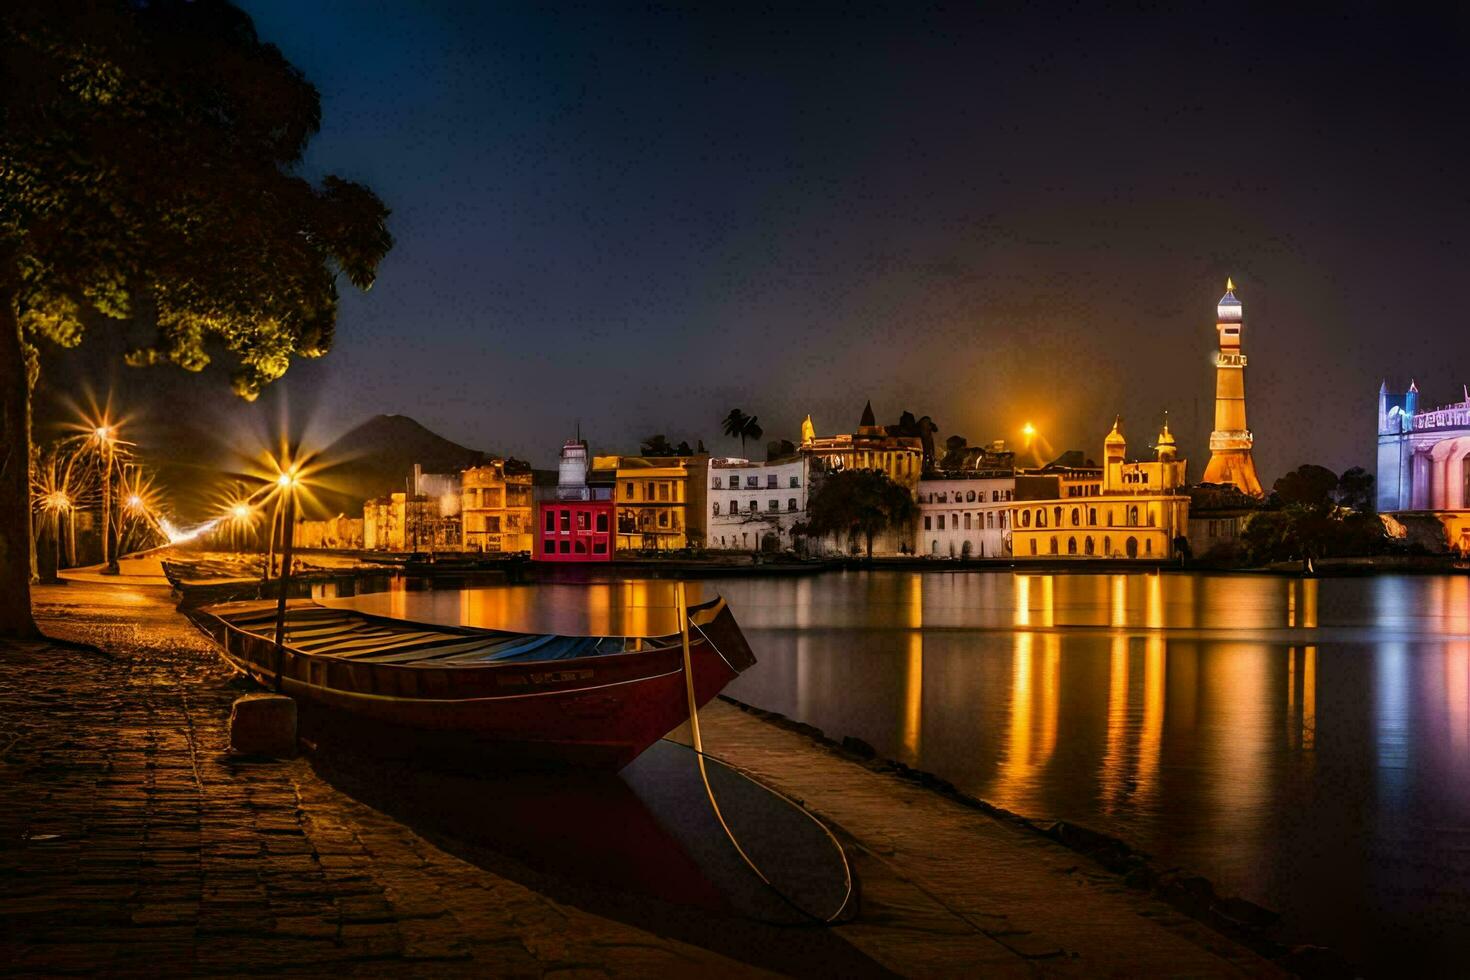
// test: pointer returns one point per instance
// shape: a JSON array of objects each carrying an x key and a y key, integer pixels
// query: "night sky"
[{"x": 640, "y": 218}]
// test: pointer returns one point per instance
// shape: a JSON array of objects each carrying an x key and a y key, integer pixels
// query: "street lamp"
[
  {"x": 106, "y": 440},
  {"x": 288, "y": 483}
]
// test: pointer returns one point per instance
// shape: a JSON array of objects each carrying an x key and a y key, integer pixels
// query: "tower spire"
[{"x": 1230, "y": 442}]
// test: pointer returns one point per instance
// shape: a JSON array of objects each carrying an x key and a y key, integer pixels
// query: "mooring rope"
[{"x": 684, "y": 629}]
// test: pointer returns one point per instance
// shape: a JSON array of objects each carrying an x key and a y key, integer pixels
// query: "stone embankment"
[{"x": 133, "y": 841}]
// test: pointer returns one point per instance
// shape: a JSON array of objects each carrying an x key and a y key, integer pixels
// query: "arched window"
[
  {"x": 1041, "y": 517},
  {"x": 1053, "y": 544},
  {"x": 990, "y": 520},
  {"x": 1076, "y": 516},
  {"x": 1087, "y": 545},
  {"x": 1131, "y": 547},
  {"x": 1033, "y": 546},
  {"x": 1025, "y": 518},
  {"x": 933, "y": 550},
  {"x": 970, "y": 496},
  {"x": 754, "y": 507},
  {"x": 1057, "y": 513},
  {"x": 1071, "y": 546},
  {"x": 1092, "y": 517},
  {"x": 717, "y": 509},
  {"x": 1107, "y": 545},
  {"x": 1148, "y": 546},
  {"x": 1133, "y": 517},
  {"x": 791, "y": 503}
]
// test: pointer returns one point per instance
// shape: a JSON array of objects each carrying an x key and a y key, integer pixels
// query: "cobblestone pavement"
[{"x": 132, "y": 843}]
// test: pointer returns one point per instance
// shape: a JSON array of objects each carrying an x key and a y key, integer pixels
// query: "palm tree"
[{"x": 740, "y": 426}]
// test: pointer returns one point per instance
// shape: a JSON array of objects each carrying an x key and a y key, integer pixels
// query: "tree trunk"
[
  {"x": 869, "y": 536},
  {"x": 15, "y": 489}
]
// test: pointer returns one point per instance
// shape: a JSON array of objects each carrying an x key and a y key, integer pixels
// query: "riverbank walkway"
[{"x": 131, "y": 842}]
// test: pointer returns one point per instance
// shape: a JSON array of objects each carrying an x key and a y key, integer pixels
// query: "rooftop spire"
[{"x": 868, "y": 421}]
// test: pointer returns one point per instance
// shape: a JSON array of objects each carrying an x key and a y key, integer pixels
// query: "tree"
[
  {"x": 1355, "y": 490},
  {"x": 147, "y": 173},
  {"x": 657, "y": 445},
  {"x": 1307, "y": 486},
  {"x": 862, "y": 502},
  {"x": 740, "y": 426}
]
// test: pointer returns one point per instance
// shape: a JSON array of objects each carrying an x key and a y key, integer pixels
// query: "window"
[
  {"x": 791, "y": 503},
  {"x": 564, "y": 547},
  {"x": 773, "y": 505},
  {"x": 1092, "y": 517},
  {"x": 1025, "y": 518},
  {"x": 970, "y": 496},
  {"x": 716, "y": 484},
  {"x": 599, "y": 547},
  {"x": 1148, "y": 546},
  {"x": 1107, "y": 545},
  {"x": 940, "y": 525},
  {"x": 751, "y": 482},
  {"x": 1005, "y": 519},
  {"x": 1033, "y": 546},
  {"x": 1087, "y": 545},
  {"x": 734, "y": 507},
  {"x": 795, "y": 482},
  {"x": 990, "y": 520},
  {"x": 967, "y": 522},
  {"x": 602, "y": 523},
  {"x": 994, "y": 496},
  {"x": 663, "y": 518},
  {"x": 1076, "y": 516},
  {"x": 1041, "y": 517},
  {"x": 1053, "y": 544},
  {"x": 1133, "y": 517},
  {"x": 1057, "y": 513},
  {"x": 754, "y": 507},
  {"x": 550, "y": 520},
  {"x": 770, "y": 481},
  {"x": 663, "y": 491},
  {"x": 579, "y": 546},
  {"x": 1071, "y": 546},
  {"x": 582, "y": 520},
  {"x": 717, "y": 508},
  {"x": 928, "y": 523},
  {"x": 648, "y": 490},
  {"x": 627, "y": 491},
  {"x": 566, "y": 522}
]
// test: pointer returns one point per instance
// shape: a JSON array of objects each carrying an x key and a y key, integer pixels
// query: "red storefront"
[{"x": 575, "y": 530}]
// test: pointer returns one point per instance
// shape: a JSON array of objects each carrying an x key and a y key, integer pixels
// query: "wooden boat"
[{"x": 583, "y": 700}]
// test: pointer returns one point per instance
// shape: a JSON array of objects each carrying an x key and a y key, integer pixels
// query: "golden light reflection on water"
[
  {"x": 1117, "y": 734},
  {"x": 913, "y": 683},
  {"x": 635, "y": 607},
  {"x": 1151, "y": 739}
]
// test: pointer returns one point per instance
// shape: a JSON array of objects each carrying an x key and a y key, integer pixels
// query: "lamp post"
[
  {"x": 287, "y": 483},
  {"x": 105, "y": 440}
]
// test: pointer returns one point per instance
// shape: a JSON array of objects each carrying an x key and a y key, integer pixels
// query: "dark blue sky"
[{"x": 641, "y": 217}]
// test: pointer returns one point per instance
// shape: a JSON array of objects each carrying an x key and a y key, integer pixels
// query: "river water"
[{"x": 1303, "y": 744}]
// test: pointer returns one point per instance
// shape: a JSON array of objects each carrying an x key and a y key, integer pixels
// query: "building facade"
[
  {"x": 869, "y": 448},
  {"x": 338, "y": 533},
  {"x": 495, "y": 507},
  {"x": 1139, "y": 510},
  {"x": 400, "y": 522},
  {"x": 660, "y": 500},
  {"x": 754, "y": 506},
  {"x": 1231, "y": 462},
  {"x": 578, "y": 523},
  {"x": 964, "y": 515},
  {"x": 1424, "y": 460}
]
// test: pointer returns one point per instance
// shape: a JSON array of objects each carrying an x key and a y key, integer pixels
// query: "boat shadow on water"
[{"x": 643, "y": 846}]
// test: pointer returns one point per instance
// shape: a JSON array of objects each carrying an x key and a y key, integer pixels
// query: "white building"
[
  {"x": 964, "y": 515},
  {"x": 754, "y": 505}
]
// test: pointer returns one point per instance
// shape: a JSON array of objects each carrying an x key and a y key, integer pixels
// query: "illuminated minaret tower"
[{"x": 1230, "y": 443}]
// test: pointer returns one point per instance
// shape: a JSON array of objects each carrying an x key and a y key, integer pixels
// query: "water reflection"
[{"x": 1303, "y": 742}]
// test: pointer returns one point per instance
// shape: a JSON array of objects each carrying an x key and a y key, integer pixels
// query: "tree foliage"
[
  {"x": 1355, "y": 490},
  {"x": 859, "y": 502},
  {"x": 738, "y": 425},
  {"x": 149, "y": 157},
  {"x": 1307, "y": 486}
]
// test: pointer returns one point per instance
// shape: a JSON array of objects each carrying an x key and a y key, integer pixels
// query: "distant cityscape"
[{"x": 971, "y": 502}]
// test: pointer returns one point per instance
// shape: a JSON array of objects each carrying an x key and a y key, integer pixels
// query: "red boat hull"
[{"x": 600, "y": 711}]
